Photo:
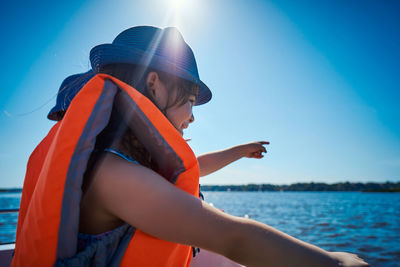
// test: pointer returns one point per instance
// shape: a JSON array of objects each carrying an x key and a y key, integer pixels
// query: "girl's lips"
[{"x": 185, "y": 126}]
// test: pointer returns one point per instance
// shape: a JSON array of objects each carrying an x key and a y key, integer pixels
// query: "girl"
[{"x": 114, "y": 182}]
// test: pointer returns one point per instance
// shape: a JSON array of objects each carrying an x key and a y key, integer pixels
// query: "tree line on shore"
[{"x": 316, "y": 187}]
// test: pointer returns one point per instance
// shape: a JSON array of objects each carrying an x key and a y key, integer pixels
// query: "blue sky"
[{"x": 318, "y": 79}]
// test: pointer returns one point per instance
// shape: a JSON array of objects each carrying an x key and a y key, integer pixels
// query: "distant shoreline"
[
  {"x": 387, "y": 187},
  {"x": 10, "y": 190}
]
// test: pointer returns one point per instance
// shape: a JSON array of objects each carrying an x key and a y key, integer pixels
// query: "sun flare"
[
  {"x": 177, "y": 4},
  {"x": 182, "y": 13}
]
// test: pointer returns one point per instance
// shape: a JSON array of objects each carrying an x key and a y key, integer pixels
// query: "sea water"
[
  {"x": 367, "y": 224},
  {"x": 8, "y": 221}
]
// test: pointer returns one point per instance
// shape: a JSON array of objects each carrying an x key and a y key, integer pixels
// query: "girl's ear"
[
  {"x": 152, "y": 82},
  {"x": 156, "y": 90}
]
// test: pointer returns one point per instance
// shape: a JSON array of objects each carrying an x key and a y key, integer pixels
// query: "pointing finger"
[{"x": 264, "y": 142}]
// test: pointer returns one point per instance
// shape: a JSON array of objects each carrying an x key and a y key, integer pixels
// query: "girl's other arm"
[{"x": 213, "y": 161}]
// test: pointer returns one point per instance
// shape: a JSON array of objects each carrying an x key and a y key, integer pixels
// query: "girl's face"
[{"x": 181, "y": 115}]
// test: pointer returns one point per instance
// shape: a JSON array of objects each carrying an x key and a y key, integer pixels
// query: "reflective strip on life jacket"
[{"x": 49, "y": 217}]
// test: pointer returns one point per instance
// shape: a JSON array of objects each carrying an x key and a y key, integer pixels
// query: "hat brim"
[
  {"x": 111, "y": 53},
  {"x": 68, "y": 89}
]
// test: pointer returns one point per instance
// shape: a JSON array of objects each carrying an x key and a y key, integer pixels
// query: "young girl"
[{"x": 115, "y": 184}]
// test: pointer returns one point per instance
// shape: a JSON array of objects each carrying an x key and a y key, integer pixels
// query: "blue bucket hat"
[
  {"x": 160, "y": 49},
  {"x": 68, "y": 89}
]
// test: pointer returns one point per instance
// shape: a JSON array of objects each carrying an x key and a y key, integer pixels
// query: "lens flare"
[{"x": 177, "y": 4}]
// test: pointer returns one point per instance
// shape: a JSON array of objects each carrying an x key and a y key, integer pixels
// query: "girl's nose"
[{"x": 191, "y": 119}]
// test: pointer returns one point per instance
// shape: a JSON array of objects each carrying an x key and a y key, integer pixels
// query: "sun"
[
  {"x": 177, "y": 5},
  {"x": 182, "y": 13}
]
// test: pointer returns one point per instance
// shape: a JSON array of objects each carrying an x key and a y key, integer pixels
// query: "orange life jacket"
[{"x": 48, "y": 221}]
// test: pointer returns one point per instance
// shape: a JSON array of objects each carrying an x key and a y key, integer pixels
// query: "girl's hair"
[
  {"x": 136, "y": 75},
  {"x": 117, "y": 130}
]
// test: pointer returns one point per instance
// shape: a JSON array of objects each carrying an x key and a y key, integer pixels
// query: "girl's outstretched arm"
[
  {"x": 213, "y": 161},
  {"x": 144, "y": 199}
]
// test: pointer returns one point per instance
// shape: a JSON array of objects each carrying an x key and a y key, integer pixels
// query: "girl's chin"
[{"x": 180, "y": 131}]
